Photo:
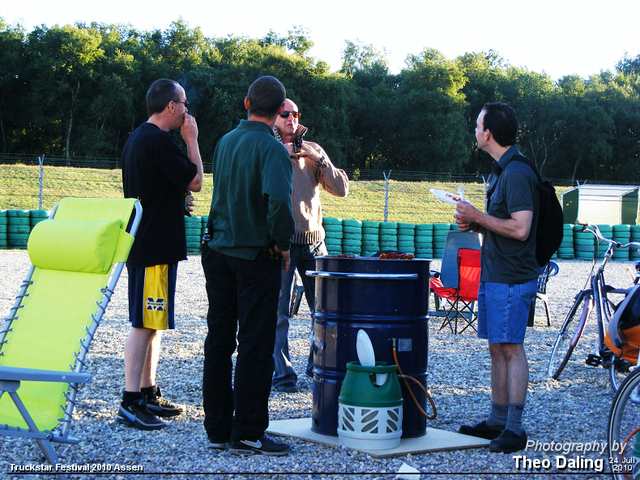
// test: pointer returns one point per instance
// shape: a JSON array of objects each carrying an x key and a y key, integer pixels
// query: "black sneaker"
[
  {"x": 137, "y": 415},
  {"x": 263, "y": 446},
  {"x": 158, "y": 405},
  {"x": 509, "y": 442},
  {"x": 218, "y": 443},
  {"x": 288, "y": 388},
  {"x": 481, "y": 430}
]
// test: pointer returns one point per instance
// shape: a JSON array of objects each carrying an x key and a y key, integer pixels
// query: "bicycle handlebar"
[{"x": 596, "y": 232}]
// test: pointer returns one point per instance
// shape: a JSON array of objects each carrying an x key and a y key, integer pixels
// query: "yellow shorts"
[{"x": 151, "y": 296}]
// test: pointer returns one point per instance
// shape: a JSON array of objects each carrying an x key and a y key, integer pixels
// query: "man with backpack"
[{"x": 509, "y": 273}]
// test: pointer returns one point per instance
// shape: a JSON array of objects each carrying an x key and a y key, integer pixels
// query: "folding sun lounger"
[{"x": 47, "y": 335}]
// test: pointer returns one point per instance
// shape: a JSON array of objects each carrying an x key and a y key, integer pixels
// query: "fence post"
[
  {"x": 485, "y": 181},
  {"x": 386, "y": 194},
  {"x": 40, "y": 162}
]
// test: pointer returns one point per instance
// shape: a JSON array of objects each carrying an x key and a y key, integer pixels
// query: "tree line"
[{"x": 78, "y": 90}]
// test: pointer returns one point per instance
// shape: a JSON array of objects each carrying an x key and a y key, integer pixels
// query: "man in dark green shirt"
[{"x": 251, "y": 225}]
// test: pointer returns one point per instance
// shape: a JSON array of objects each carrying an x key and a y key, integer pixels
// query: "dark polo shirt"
[{"x": 512, "y": 188}]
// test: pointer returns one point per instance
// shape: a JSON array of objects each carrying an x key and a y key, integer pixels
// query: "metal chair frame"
[
  {"x": 549, "y": 270},
  {"x": 11, "y": 377}
]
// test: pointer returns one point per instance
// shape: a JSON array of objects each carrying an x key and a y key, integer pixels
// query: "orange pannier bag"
[{"x": 623, "y": 334}]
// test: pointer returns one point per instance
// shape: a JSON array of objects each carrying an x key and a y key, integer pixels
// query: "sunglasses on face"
[{"x": 286, "y": 114}]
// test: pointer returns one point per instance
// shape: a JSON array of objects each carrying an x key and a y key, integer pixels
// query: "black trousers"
[{"x": 243, "y": 304}]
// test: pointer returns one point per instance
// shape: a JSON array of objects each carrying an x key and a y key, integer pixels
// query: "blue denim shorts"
[{"x": 504, "y": 318}]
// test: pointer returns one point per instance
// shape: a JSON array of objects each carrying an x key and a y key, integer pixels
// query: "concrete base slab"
[{"x": 434, "y": 440}]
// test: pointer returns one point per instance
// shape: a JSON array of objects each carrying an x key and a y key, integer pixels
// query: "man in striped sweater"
[{"x": 311, "y": 168}]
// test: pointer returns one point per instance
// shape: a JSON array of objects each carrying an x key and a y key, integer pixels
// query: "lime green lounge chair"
[{"x": 45, "y": 339}]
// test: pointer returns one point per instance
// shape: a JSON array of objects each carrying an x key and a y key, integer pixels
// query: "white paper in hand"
[{"x": 446, "y": 196}]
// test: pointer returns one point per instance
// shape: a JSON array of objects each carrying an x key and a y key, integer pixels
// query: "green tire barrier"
[
  {"x": 365, "y": 238},
  {"x": 565, "y": 250},
  {"x": 3, "y": 230},
  {"x": 351, "y": 223},
  {"x": 18, "y": 237},
  {"x": 389, "y": 226},
  {"x": 427, "y": 240},
  {"x": 333, "y": 235},
  {"x": 622, "y": 234},
  {"x": 193, "y": 230},
  {"x": 331, "y": 228},
  {"x": 634, "y": 231}
]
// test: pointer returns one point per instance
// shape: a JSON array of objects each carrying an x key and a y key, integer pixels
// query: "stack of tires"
[
  {"x": 565, "y": 250},
  {"x": 407, "y": 238},
  {"x": 351, "y": 237},
  {"x": 584, "y": 244},
  {"x": 440, "y": 231},
  {"x": 4, "y": 243},
  {"x": 370, "y": 238},
  {"x": 607, "y": 232},
  {"x": 333, "y": 235},
  {"x": 424, "y": 240},
  {"x": 634, "y": 254},
  {"x": 37, "y": 216},
  {"x": 18, "y": 228},
  {"x": 193, "y": 229},
  {"x": 388, "y": 236},
  {"x": 621, "y": 234}
]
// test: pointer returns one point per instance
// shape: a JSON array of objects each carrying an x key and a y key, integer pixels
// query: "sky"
[{"x": 557, "y": 37}]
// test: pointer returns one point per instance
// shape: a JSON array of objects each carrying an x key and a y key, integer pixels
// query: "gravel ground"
[{"x": 573, "y": 410}]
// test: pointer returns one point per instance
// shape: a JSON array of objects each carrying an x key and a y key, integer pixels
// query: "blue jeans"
[
  {"x": 303, "y": 258},
  {"x": 243, "y": 301},
  {"x": 504, "y": 318}
]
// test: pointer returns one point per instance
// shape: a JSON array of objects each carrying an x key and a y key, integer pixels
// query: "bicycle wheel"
[
  {"x": 569, "y": 333},
  {"x": 618, "y": 371},
  {"x": 624, "y": 428}
]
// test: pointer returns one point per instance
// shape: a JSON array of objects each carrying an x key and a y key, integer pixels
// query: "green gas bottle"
[{"x": 370, "y": 407}]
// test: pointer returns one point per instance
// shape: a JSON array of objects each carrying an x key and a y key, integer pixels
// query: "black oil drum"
[{"x": 389, "y": 300}]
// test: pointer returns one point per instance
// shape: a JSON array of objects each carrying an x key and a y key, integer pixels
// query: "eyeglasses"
[
  {"x": 286, "y": 114},
  {"x": 185, "y": 103}
]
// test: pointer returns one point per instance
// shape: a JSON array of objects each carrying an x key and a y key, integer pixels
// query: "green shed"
[{"x": 601, "y": 204}]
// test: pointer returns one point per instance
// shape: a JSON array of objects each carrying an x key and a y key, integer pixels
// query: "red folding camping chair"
[{"x": 459, "y": 302}]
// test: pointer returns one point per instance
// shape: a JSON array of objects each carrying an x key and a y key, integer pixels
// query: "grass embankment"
[{"x": 408, "y": 201}]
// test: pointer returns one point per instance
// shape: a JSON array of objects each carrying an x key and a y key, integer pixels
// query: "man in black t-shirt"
[{"x": 157, "y": 172}]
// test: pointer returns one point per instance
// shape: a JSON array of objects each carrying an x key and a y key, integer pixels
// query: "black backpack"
[{"x": 550, "y": 227}]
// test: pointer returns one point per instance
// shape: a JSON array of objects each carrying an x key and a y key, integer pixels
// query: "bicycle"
[
  {"x": 596, "y": 296},
  {"x": 623, "y": 428}
]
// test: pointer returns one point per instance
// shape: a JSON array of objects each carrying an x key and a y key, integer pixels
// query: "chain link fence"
[{"x": 31, "y": 182}]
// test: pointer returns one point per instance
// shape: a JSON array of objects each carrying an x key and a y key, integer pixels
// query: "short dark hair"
[
  {"x": 502, "y": 121},
  {"x": 266, "y": 95},
  {"x": 160, "y": 93}
]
